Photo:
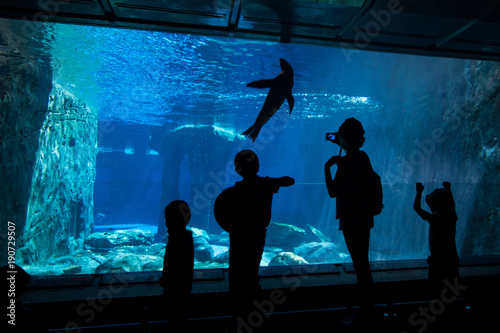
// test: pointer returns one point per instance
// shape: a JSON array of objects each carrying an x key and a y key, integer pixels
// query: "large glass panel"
[{"x": 137, "y": 119}]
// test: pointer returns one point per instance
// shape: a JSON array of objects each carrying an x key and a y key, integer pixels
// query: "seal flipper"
[
  {"x": 291, "y": 102},
  {"x": 261, "y": 84},
  {"x": 252, "y": 132},
  {"x": 249, "y": 130}
]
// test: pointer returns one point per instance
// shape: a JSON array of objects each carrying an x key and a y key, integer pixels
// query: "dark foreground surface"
[{"x": 322, "y": 299}]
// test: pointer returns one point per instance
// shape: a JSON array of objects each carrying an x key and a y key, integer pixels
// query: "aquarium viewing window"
[{"x": 136, "y": 119}]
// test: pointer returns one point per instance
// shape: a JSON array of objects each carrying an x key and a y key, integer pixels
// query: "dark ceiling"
[{"x": 452, "y": 28}]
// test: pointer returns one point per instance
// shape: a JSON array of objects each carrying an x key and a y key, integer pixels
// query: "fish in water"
[{"x": 281, "y": 89}]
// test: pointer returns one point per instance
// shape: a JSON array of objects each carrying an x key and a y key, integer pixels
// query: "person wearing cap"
[{"x": 354, "y": 220}]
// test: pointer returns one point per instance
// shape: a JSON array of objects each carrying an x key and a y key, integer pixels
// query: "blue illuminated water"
[
  {"x": 142, "y": 83},
  {"x": 151, "y": 77}
]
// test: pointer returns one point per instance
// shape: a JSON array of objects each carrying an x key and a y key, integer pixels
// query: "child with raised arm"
[
  {"x": 443, "y": 260},
  {"x": 254, "y": 195}
]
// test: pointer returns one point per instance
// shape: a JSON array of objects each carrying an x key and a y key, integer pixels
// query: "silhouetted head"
[
  {"x": 177, "y": 215},
  {"x": 440, "y": 202},
  {"x": 352, "y": 133},
  {"x": 285, "y": 66},
  {"x": 246, "y": 163},
  {"x": 16, "y": 281}
]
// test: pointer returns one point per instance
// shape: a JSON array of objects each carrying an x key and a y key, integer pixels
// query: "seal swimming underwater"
[{"x": 281, "y": 89}]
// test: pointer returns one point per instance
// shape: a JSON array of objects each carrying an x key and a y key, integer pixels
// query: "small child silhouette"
[
  {"x": 177, "y": 273},
  {"x": 443, "y": 260},
  {"x": 254, "y": 195}
]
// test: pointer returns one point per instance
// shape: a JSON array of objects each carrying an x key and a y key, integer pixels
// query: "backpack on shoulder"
[{"x": 372, "y": 194}]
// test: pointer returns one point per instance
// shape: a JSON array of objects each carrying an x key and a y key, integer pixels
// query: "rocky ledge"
[{"x": 134, "y": 250}]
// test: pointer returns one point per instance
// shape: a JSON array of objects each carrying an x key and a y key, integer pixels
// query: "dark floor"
[
  {"x": 463, "y": 316},
  {"x": 320, "y": 301}
]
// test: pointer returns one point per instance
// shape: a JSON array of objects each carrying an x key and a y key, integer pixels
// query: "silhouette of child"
[
  {"x": 254, "y": 195},
  {"x": 443, "y": 260},
  {"x": 347, "y": 187},
  {"x": 177, "y": 273}
]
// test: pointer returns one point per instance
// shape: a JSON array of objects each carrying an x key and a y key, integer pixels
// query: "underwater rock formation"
[
  {"x": 132, "y": 250},
  {"x": 130, "y": 262},
  {"x": 220, "y": 239},
  {"x": 284, "y": 236},
  {"x": 287, "y": 259},
  {"x": 156, "y": 249},
  {"x": 289, "y": 236},
  {"x": 60, "y": 211},
  {"x": 199, "y": 234},
  {"x": 473, "y": 113},
  {"x": 83, "y": 260},
  {"x": 320, "y": 252},
  {"x": 222, "y": 258},
  {"x": 315, "y": 235},
  {"x": 119, "y": 238},
  {"x": 25, "y": 84},
  {"x": 203, "y": 251}
]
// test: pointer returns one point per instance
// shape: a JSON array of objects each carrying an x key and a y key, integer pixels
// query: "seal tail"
[{"x": 252, "y": 132}]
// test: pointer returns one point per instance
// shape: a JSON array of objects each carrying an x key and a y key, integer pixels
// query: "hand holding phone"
[{"x": 333, "y": 137}]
